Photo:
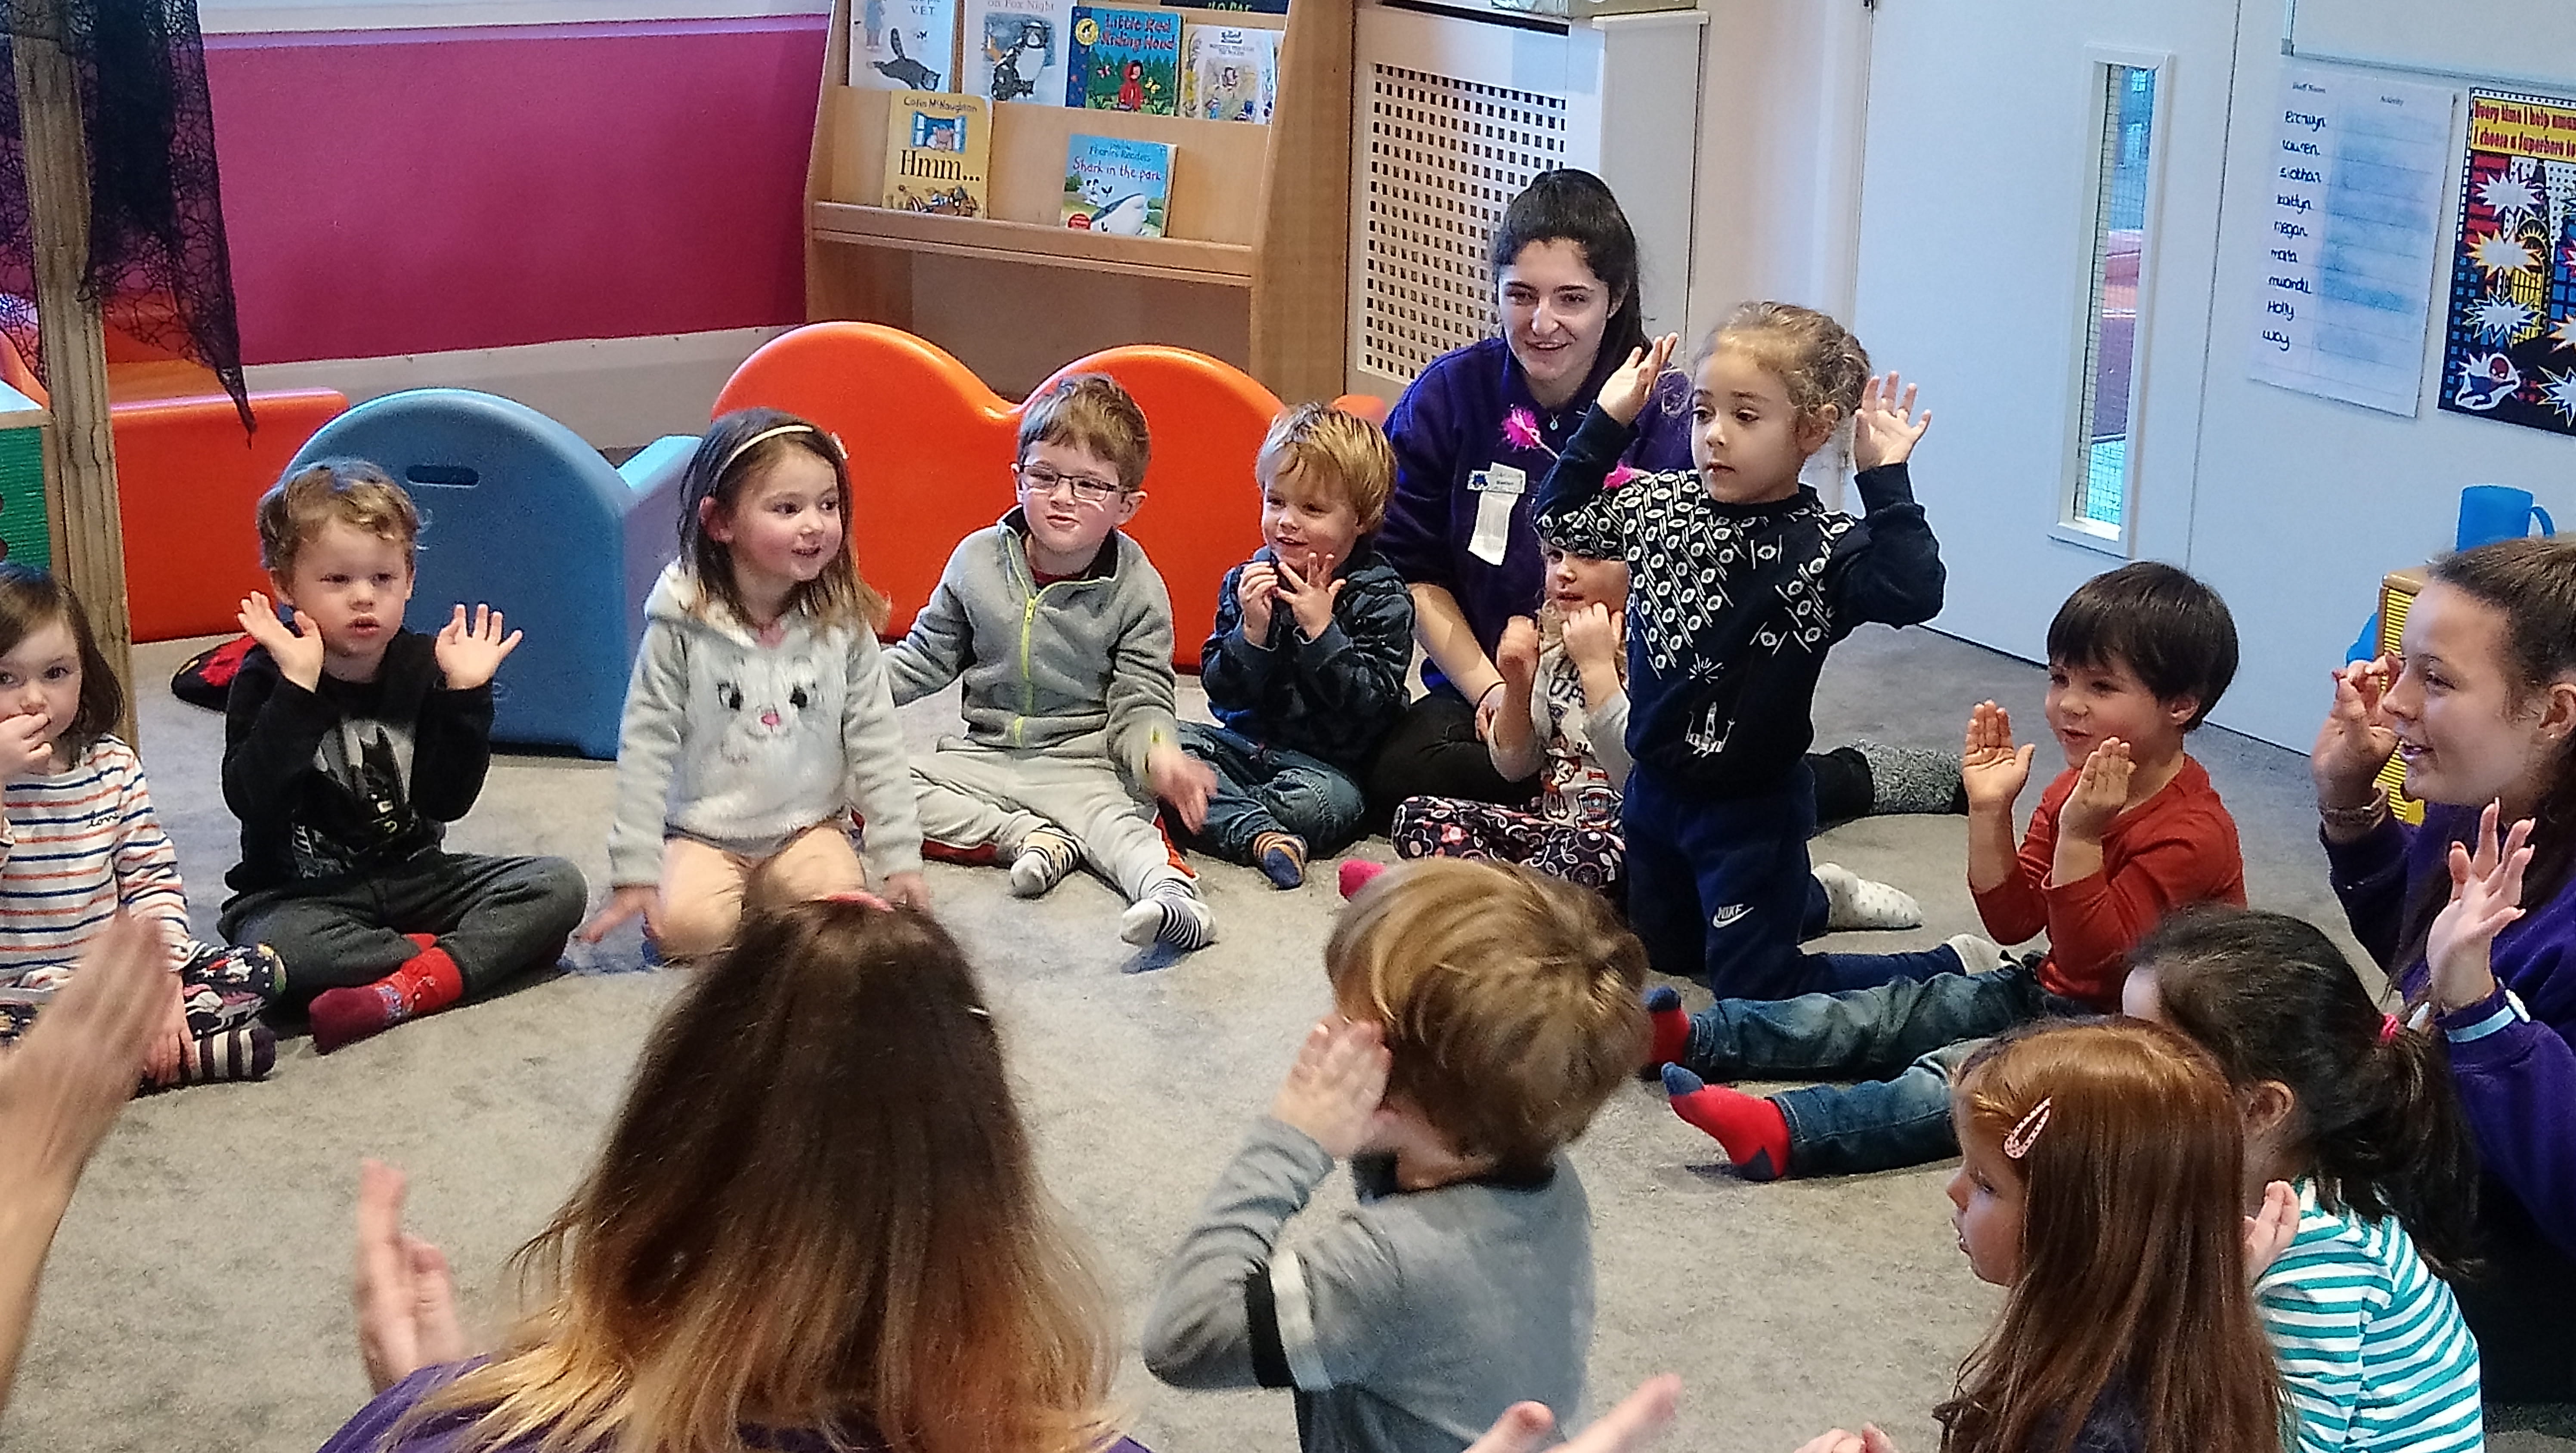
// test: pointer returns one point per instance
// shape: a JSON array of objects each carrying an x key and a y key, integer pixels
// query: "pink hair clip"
[
  {"x": 2018, "y": 1143},
  {"x": 859, "y": 896},
  {"x": 2388, "y": 1027}
]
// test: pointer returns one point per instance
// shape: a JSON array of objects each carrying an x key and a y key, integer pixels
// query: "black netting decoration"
[{"x": 158, "y": 265}]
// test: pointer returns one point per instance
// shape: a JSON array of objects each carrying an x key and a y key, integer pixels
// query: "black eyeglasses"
[{"x": 1040, "y": 480}]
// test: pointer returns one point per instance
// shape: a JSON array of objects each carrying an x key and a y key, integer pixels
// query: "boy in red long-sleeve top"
[{"x": 2130, "y": 831}]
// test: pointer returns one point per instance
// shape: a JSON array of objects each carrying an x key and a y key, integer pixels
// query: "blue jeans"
[
  {"x": 1868, "y": 971},
  {"x": 1271, "y": 789},
  {"x": 1719, "y": 888},
  {"x": 1901, "y": 1039}
]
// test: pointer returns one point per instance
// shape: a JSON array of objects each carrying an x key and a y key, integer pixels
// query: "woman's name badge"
[{"x": 1496, "y": 487}]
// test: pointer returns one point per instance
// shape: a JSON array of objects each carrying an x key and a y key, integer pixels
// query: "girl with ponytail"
[{"x": 2358, "y": 1112}]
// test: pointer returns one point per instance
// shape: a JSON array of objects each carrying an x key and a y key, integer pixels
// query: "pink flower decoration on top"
[
  {"x": 1621, "y": 475},
  {"x": 1520, "y": 429}
]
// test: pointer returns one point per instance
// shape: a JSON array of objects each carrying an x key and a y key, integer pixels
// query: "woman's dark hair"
[
  {"x": 2271, "y": 998},
  {"x": 30, "y": 600},
  {"x": 2532, "y": 584},
  {"x": 1575, "y": 206}
]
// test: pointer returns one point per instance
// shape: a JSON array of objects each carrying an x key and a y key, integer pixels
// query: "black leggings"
[{"x": 2521, "y": 1305}]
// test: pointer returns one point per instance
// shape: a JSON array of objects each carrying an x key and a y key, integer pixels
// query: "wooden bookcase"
[{"x": 1255, "y": 267}]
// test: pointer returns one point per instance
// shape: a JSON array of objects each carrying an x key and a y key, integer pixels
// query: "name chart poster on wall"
[
  {"x": 2510, "y": 350},
  {"x": 2358, "y": 178}
]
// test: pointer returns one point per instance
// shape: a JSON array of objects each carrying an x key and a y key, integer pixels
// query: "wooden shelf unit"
[{"x": 1258, "y": 214}]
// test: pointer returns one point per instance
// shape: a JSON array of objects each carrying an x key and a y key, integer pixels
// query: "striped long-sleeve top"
[
  {"x": 76, "y": 846},
  {"x": 2371, "y": 1348}
]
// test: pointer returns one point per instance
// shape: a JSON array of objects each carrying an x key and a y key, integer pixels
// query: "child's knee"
[
  {"x": 695, "y": 925},
  {"x": 557, "y": 894}
]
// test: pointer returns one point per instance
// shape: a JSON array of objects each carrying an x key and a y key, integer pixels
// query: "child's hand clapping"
[
  {"x": 1991, "y": 769},
  {"x": 26, "y": 745},
  {"x": 1592, "y": 639},
  {"x": 298, "y": 652},
  {"x": 2270, "y": 1231},
  {"x": 1868, "y": 1440},
  {"x": 1254, "y": 592},
  {"x": 1624, "y": 396},
  {"x": 2355, "y": 741},
  {"x": 1333, "y": 1091},
  {"x": 2486, "y": 895},
  {"x": 2101, "y": 790},
  {"x": 405, "y": 1297},
  {"x": 467, "y": 656},
  {"x": 1310, "y": 594},
  {"x": 1883, "y": 432},
  {"x": 1181, "y": 780}
]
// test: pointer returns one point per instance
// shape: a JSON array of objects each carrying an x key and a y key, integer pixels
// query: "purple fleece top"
[
  {"x": 1472, "y": 409},
  {"x": 2519, "y": 1083}
]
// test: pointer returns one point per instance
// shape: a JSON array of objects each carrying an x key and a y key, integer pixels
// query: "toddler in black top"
[
  {"x": 349, "y": 743},
  {"x": 1741, "y": 579}
]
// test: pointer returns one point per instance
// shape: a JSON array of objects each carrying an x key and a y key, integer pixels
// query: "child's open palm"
[
  {"x": 1334, "y": 1090},
  {"x": 1991, "y": 769},
  {"x": 2101, "y": 790},
  {"x": 2486, "y": 895},
  {"x": 406, "y": 1299},
  {"x": 297, "y": 650},
  {"x": 1884, "y": 431},
  {"x": 1624, "y": 396},
  {"x": 1310, "y": 594},
  {"x": 468, "y": 655}
]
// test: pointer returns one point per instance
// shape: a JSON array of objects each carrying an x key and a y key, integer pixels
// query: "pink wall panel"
[{"x": 415, "y": 191}]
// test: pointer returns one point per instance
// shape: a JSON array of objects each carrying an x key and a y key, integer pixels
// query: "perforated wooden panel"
[{"x": 1442, "y": 158}]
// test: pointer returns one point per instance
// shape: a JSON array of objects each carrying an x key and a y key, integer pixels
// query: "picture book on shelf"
[
  {"x": 1015, "y": 49},
  {"x": 904, "y": 45},
  {"x": 1113, "y": 184},
  {"x": 1228, "y": 72},
  {"x": 1124, "y": 60},
  {"x": 1249, "y": 7},
  {"x": 939, "y": 148}
]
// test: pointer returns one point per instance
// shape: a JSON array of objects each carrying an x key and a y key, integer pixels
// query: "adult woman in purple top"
[
  {"x": 2481, "y": 936},
  {"x": 1473, "y": 437}
]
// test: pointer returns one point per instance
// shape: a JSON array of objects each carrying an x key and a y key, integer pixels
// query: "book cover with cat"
[
  {"x": 939, "y": 148},
  {"x": 1117, "y": 185},
  {"x": 1228, "y": 72},
  {"x": 1016, "y": 49},
  {"x": 903, "y": 45},
  {"x": 1124, "y": 60}
]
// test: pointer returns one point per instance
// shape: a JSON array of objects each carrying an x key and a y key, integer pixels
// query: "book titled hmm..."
[
  {"x": 1124, "y": 60},
  {"x": 939, "y": 148},
  {"x": 1117, "y": 185}
]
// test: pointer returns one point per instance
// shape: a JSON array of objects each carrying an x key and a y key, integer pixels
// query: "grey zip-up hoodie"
[
  {"x": 1082, "y": 667},
  {"x": 740, "y": 743}
]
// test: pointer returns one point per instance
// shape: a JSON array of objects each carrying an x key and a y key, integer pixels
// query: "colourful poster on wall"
[{"x": 2510, "y": 350}]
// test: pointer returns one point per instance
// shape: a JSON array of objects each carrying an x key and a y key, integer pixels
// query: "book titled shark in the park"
[
  {"x": 904, "y": 45},
  {"x": 1117, "y": 185},
  {"x": 1015, "y": 49},
  {"x": 939, "y": 148},
  {"x": 1124, "y": 60}
]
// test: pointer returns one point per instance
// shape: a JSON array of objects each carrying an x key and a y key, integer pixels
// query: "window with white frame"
[{"x": 2099, "y": 494}]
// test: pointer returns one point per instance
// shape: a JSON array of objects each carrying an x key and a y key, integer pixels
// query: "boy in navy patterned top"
[{"x": 1741, "y": 580}]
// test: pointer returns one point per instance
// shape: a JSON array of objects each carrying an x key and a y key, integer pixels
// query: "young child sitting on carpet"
[
  {"x": 759, "y": 717},
  {"x": 349, "y": 744},
  {"x": 2356, "y": 1110},
  {"x": 1062, "y": 631},
  {"x": 2130, "y": 831},
  {"x": 1482, "y": 1014},
  {"x": 1305, "y": 669},
  {"x": 80, "y": 844}
]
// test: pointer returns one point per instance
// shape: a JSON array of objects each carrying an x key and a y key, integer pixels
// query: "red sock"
[
  {"x": 427, "y": 982},
  {"x": 1358, "y": 873},
  {"x": 1754, "y": 1132},
  {"x": 1671, "y": 1033}
]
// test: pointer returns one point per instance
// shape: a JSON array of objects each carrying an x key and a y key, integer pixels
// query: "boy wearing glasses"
[{"x": 1062, "y": 632}]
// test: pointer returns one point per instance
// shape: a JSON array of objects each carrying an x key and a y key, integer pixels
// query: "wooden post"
[{"x": 80, "y": 457}]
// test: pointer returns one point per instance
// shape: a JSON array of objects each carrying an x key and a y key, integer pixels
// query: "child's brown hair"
[
  {"x": 1817, "y": 359},
  {"x": 353, "y": 491},
  {"x": 32, "y": 599},
  {"x": 1334, "y": 453},
  {"x": 1090, "y": 411},
  {"x": 1509, "y": 1001},
  {"x": 2132, "y": 1283},
  {"x": 736, "y": 450}
]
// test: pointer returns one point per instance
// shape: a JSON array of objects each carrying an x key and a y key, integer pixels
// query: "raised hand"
[
  {"x": 405, "y": 1297},
  {"x": 2270, "y": 1231},
  {"x": 1884, "y": 431},
  {"x": 1254, "y": 591},
  {"x": 1592, "y": 638},
  {"x": 623, "y": 903},
  {"x": 1991, "y": 769},
  {"x": 2355, "y": 742},
  {"x": 1181, "y": 780},
  {"x": 63, "y": 1084},
  {"x": 1623, "y": 396},
  {"x": 468, "y": 655},
  {"x": 26, "y": 745},
  {"x": 1334, "y": 1089},
  {"x": 2101, "y": 790},
  {"x": 1516, "y": 654},
  {"x": 1310, "y": 594},
  {"x": 1631, "y": 1427},
  {"x": 297, "y": 651},
  {"x": 2486, "y": 895}
]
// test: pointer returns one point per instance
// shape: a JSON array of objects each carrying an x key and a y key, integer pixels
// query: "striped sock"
[
  {"x": 1173, "y": 914},
  {"x": 245, "y": 1052}
]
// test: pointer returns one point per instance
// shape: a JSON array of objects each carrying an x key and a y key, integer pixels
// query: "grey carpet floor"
[{"x": 198, "y": 1293}]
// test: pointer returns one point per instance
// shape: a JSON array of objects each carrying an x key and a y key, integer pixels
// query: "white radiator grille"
[{"x": 1444, "y": 157}]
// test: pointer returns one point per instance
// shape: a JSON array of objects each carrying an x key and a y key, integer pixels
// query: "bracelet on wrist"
[{"x": 2355, "y": 819}]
